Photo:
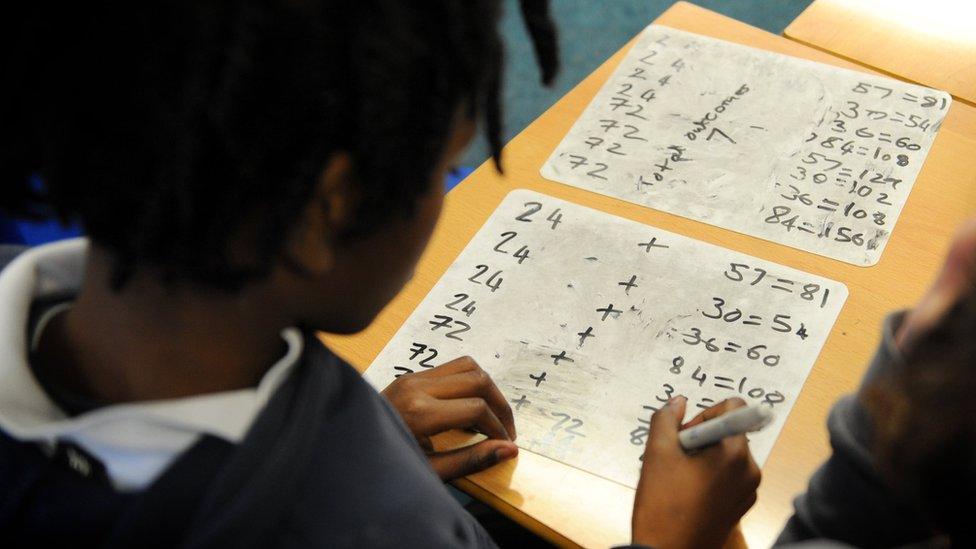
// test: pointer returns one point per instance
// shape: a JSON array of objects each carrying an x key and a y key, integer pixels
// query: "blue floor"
[{"x": 591, "y": 31}]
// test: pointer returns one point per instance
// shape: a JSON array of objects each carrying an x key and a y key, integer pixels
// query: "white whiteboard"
[
  {"x": 579, "y": 316},
  {"x": 800, "y": 153}
]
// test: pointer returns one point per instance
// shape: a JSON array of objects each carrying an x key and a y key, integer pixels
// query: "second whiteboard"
[{"x": 808, "y": 155}]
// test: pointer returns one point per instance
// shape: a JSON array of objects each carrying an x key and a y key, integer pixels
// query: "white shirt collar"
[{"x": 135, "y": 441}]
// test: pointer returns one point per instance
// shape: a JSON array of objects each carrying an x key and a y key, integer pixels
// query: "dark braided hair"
[{"x": 168, "y": 130}]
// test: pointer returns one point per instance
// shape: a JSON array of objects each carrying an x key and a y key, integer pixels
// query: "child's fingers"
[
  {"x": 717, "y": 410},
  {"x": 665, "y": 423},
  {"x": 746, "y": 503},
  {"x": 457, "y": 366},
  {"x": 473, "y": 383},
  {"x": 460, "y": 413},
  {"x": 733, "y": 456},
  {"x": 736, "y": 447},
  {"x": 741, "y": 468},
  {"x": 471, "y": 459}
]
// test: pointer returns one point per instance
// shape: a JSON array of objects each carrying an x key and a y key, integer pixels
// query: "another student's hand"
[
  {"x": 456, "y": 395},
  {"x": 956, "y": 280},
  {"x": 692, "y": 500}
]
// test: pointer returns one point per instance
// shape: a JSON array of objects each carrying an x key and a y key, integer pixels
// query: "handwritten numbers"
[
  {"x": 807, "y": 150},
  {"x": 494, "y": 281},
  {"x": 809, "y": 292},
  {"x": 506, "y": 236},
  {"x": 607, "y": 319},
  {"x": 419, "y": 349},
  {"x": 555, "y": 217},
  {"x": 567, "y": 424},
  {"x": 468, "y": 309},
  {"x": 520, "y": 255},
  {"x": 733, "y": 273},
  {"x": 668, "y": 392},
  {"x": 454, "y": 327},
  {"x": 525, "y": 216}
]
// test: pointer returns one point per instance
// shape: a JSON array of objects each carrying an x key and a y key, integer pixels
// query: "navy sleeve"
[{"x": 847, "y": 500}]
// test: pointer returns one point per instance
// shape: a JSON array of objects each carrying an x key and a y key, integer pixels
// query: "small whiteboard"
[
  {"x": 588, "y": 322},
  {"x": 800, "y": 153}
]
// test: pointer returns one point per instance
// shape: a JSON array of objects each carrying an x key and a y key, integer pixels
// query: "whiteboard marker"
[{"x": 736, "y": 422}]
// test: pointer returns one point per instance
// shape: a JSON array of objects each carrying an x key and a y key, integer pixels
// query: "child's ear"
[{"x": 328, "y": 214}]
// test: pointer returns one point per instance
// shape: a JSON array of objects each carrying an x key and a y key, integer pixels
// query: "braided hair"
[{"x": 170, "y": 129}]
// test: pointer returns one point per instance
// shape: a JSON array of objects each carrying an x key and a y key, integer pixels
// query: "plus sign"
[
  {"x": 560, "y": 356},
  {"x": 521, "y": 401},
  {"x": 540, "y": 379},
  {"x": 585, "y": 334},
  {"x": 632, "y": 283},
  {"x": 652, "y": 244},
  {"x": 608, "y": 310}
]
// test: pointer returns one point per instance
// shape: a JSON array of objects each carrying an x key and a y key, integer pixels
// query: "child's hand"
[
  {"x": 955, "y": 282},
  {"x": 692, "y": 500},
  {"x": 456, "y": 395}
]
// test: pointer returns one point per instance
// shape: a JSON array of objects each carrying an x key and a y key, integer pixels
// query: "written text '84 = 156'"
[{"x": 804, "y": 154}]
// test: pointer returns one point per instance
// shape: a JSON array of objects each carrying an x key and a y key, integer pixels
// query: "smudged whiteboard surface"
[
  {"x": 588, "y": 322},
  {"x": 800, "y": 153}
]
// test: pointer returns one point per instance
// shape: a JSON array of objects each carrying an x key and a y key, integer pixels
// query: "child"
[
  {"x": 903, "y": 471},
  {"x": 248, "y": 173}
]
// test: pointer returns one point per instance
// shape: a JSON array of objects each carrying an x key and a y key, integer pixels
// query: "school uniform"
[
  {"x": 311, "y": 457},
  {"x": 847, "y": 502}
]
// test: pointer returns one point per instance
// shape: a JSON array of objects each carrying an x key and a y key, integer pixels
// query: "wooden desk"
[
  {"x": 570, "y": 506},
  {"x": 932, "y": 43}
]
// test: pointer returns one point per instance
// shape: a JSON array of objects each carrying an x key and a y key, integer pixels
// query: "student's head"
[
  {"x": 220, "y": 144},
  {"x": 925, "y": 419}
]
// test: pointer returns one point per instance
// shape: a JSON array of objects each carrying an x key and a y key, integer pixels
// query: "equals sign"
[
  {"x": 910, "y": 97},
  {"x": 846, "y": 171},
  {"x": 705, "y": 403},
  {"x": 784, "y": 281},
  {"x": 752, "y": 322},
  {"x": 887, "y": 135},
  {"x": 726, "y": 379},
  {"x": 864, "y": 151},
  {"x": 732, "y": 347},
  {"x": 827, "y": 207}
]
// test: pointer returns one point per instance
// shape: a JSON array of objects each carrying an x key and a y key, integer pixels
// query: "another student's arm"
[{"x": 847, "y": 499}]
